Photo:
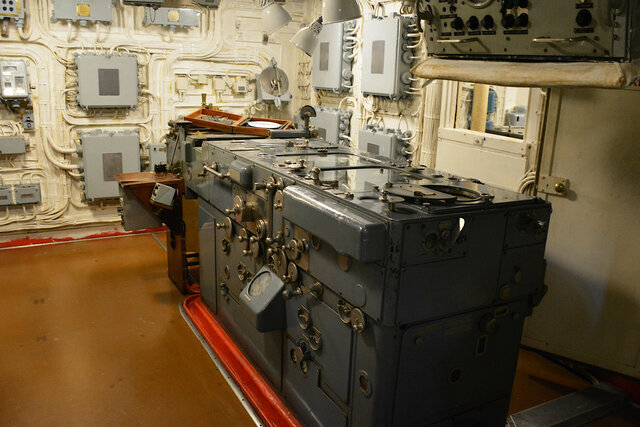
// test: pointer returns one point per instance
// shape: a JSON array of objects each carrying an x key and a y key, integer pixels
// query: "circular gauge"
[
  {"x": 479, "y": 4},
  {"x": 260, "y": 284}
]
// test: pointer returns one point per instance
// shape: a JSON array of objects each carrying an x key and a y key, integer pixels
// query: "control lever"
[
  {"x": 213, "y": 170},
  {"x": 315, "y": 174}
]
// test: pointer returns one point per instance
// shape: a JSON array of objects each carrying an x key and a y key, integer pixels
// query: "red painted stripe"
[
  {"x": 47, "y": 240},
  {"x": 263, "y": 399}
]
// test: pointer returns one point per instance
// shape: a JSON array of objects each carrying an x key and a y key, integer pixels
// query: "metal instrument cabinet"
[{"x": 367, "y": 293}]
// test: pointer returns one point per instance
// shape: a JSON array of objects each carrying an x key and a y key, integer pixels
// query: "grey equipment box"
[
  {"x": 332, "y": 124},
  {"x": 107, "y": 81},
  {"x": 405, "y": 291},
  {"x": 387, "y": 56},
  {"x": 13, "y": 10},
  {"x": 105, "y": 154},
  {"x": 6, "y": 195},
  {"x": 82, "y": 11},
  {"x": 389, "y": 143},
  {"x": 27, "y": 194},
  {"x": 13, "y": 145},
  {"x": 549, "y": 30},
  {"x": 331, "y": 60}
]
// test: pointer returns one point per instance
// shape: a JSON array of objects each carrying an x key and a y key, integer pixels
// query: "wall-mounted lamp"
[
  {"x": 340, "y": 11},
  {"x": 274, "y": 16},
  {"x": 307, "y": 38}
]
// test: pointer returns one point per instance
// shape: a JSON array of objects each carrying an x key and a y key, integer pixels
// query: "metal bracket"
[{"x": 553, "y": 185}]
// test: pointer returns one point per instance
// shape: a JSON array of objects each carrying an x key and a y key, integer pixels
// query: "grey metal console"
[{"x": 365, "y": 292}]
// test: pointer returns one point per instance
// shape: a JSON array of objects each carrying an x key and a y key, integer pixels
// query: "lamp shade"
[
  {"x": 307, "y": 38},
  {"x": 340, "y": 11},
  {"x": 274, "y": 17}
]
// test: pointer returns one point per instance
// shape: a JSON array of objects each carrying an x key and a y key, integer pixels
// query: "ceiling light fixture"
[
  {"x": 307, "y": 38},
  {"x": 340, "y": 11},
  {"x": 274, "y": 16}
]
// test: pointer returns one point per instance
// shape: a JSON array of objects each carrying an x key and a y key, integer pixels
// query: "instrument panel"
[{"x": 531, "y": 29}]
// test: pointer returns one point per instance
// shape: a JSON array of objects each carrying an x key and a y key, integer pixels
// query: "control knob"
[
  {"x": 508, "y": 21},
  {"x": 584, "y": 18},
  {"x": 522, "y": 20},
  {"x": 473, "y": 23},
  {"x": 488, "y": 22},
  {"x": 457, "y": 24}
]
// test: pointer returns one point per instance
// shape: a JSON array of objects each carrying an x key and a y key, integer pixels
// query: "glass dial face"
[{"x": 260, "y": 284}]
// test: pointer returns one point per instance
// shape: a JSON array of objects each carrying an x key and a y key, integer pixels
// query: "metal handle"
[
  {"x": 213, "y": 170},
  {"x": 550, "y": 40},
  {"x": 458, "y": 41}
]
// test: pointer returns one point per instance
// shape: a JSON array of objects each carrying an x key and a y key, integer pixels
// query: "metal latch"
[{"x": 553, "y": 185}]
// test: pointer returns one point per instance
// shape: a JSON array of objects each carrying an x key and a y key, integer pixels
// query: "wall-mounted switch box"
[
  {"x": 28, "y": 194},
  {"x": 389, "y": 143},
  {"x": 104, "y": 155},
  {"x": 157, "y": 155},
  {"x": 13, "y": 144},
  {"x": 387, "y": 56},
  {"x": 172, "y": 18},
  {"x": 332, "y": 124},
  {"x": 6, "y": 195},
  {"x": 82, "y": 11},
  {"x": 14, "y": 80},
  {"x": 107, "y": 81},
  {"x": 331, "y": 61}
]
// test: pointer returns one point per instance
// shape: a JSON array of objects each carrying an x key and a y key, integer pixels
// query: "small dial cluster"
[{"x": 514, "y": 14}]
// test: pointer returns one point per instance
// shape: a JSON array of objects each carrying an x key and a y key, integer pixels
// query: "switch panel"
[
  {"x": 107, "y": 81},
  {"x": 545, "y": 30},
  {"x": 104, "y": 155},
  {"x": 387, "y": 56},
  {"x": 13, "y": 144},
  {"x": 331, "y": 61},
  {"x": 332, "y": 124},
  {"x": 82, "y": 11},
  {"x": 171, "y": 17},
  {"x": 13, "y": 9},
  {"x": 6, "y": 195},
  {"x": 157, "y": 155},
  {"x": 389, "y": 143},
  {"x": 28, "y": 194},
  {"x": 14, "y": 80}
]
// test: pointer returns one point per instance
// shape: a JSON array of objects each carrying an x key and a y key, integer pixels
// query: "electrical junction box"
[
  {"x": 28, "y": 194},
  {"x": 389, "y": 143},
  {"x": 6, "y": 195},
  {"x": 171, "y": 17},
  {"x": 157, "y": 155},
  {"x": 14, "y": 80},
  {"x": 13, "y": 9},
  {"x": 82, "y": 11},
  {"x": 107, "y": 81},
  {"x": 387, "y": 56},
  {"x": 331, "y": 62},
  {"x": 208, "y": 3},
  {"x": 106, "y": 154},
  {"x": 332, "y": 124},
  {"x": 13, "y": 144}
]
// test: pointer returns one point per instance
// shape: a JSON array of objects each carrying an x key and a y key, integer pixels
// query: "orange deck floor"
[{"x": 90, "y": 334}]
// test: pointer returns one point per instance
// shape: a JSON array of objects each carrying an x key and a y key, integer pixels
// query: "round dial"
[
  {"x": 260, "y": 284},
  {"x": 479, "y": 4}
]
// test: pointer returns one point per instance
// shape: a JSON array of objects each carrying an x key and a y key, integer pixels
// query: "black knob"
[
  {"x": 508, "y": 4},
  {"x": 473, "y": 23},
  {"x": 522, "y": 20},
  {"x": 457, "y": 24},
  {"x": 508, "y": 21},
  {"x": 584, "y": 18},
  {"x": 523, "y": 3},
  {"x": 488, "y": 22}
]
